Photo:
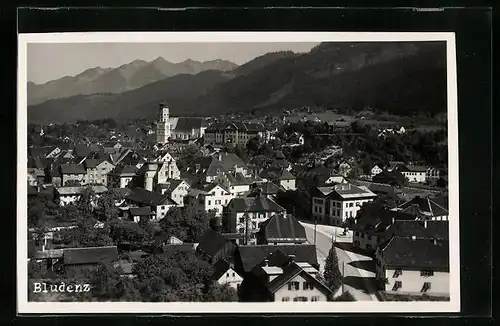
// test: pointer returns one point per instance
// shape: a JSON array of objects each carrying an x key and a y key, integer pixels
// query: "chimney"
[
  {"x": 425, "y": 223},
  {"x": 197, "y": 167},
  {"x": 219, "y": 156},
  {"x": 434, "y": 241},
  {"x": 266, "y": 263},
  {"x": 413, "y": 237},
  {"x": 291, "y": 259},
  {"x": 393, "y": 220}
]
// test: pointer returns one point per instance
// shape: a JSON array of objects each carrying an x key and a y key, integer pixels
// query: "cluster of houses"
[
  {"x": 260, "y": 249},
  {"x": 412, "y": 173}
]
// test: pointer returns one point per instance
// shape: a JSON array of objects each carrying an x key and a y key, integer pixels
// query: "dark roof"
[
  {"x": 140, "y": 211},
  {"x": 90, "y": 255},
  {"x": 412, "y": 168},
  {"x": 426, "y": 205},
  {"x": 283, "y": 227},
  {"x": 32, "y": 191},
  {"x": 220, "y": 268},
  {"x": 81, "y": 150},
  {"x": 145, "y": 197},
  {"x": 417, "y": 253},
  {"x": 289, "y": 272},
  {"x": 236, "y": 125},
  {"x": 37, "y": 162},
  {"x": 254, "y": 204},
  {"x": 124, "y": 170},
  {"x": 211, "y": 242},
  {"x": 188, "y": 123},
  {"x": 72, "y": 169},
  {"x": 254, "y": 255},
  {"x": 91, "y": 163},
  {"x": 380, "y": 220}
]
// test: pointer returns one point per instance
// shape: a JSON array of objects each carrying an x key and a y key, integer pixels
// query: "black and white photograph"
[{"x": 238, "y": 172}]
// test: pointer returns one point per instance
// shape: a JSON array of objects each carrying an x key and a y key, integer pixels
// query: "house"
[
  {"x": 97, "y": 170},
  {"x": 225, "y": 274},
  {"x": 369, "y": 232},
  {"x": 281, "y": 177},
  {"x": 160, "y": 204},
  {"x": 266, "y": 189},
  {"x": 413, "y": 173},
  {"x": 173, "y": 171},
  {"x": 141, "y": 213},
  {"x": 414, "y": 266},
  {"x": 176, "y": 189},
  {"x": 245, "y": 214},
  {"x": 121, "y": 176},
  {"x": 211, "y": 197},
  {"x": 153, "y": 173},
  {"x": 36, "y": 171},
  {"x": 281, "y": 229},
  {"x": 77, "y": 260},
  {"x": 214, "y": 247},
  {"x": 233, "y": 132},
  {"x": 424, "y": 208},
  {"x": 235, "y": 182},
  {"x": 334, "y": 205},
  {"x": 316, "y": 177},
  {"x": 375, "y": 170},
  {"x": 393, "y": 178},
  {"x": 209, "y": 168},
  {"x": 393, "y": 165},
  {"x": 295, "y": 282},
  {"x": 70, "y": 195},
  {"x": 75, "y": 172},
  {"x": 53, "y": 152}
]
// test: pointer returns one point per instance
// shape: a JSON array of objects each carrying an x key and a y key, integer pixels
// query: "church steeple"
[{"x": 163, "y": 124}]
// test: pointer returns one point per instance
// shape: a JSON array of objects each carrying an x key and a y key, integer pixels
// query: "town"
[{"x": 307, "y": 205}]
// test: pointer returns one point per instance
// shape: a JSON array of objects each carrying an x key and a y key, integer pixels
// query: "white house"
[
  {"x": 176, "y": 189},
  {"x": 225, "y": 274},
  {"x": 213, "y": 197},
  {"x": 333, "y": 205},
  {"x": 413, "y": 173},
  {"x": 97, "y": 171},
  {"x": 287, "y": 180},
  {"x": 376, "y": 170},
  {"x": 414, "y": 266},
  {"x": 160, "y": 204},
  {"x": 70, "y": 195},
  {"x": 121, "y": 176}
]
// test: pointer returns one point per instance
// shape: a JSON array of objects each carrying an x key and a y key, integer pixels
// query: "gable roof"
[
  {"x": 89, "y": 255},
  {"x": 253, "y": 255},
  {"x": 283, "y": 227},
  {"x": 425, "y": 205},
  {"x": 187, "y": 123},
  {"x": 140, "y": 211},
  {"x": 72, "y": 169},
  {"x": 220, "y": 268},
  {"x": 417, "y": 253},
  {"x": 124, "y": 170},
  {"x": 145, "y": 197},
  {"x": 289, "y": 272},
  {"x": 254, "y": 204},
  {"x": 211, "y": 242}
]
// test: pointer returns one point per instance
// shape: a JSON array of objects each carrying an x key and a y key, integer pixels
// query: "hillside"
[
  {"x": 124, "y": 78},
  {"x": 142, "y": 102},
  {"x": 401, "y": 78}
]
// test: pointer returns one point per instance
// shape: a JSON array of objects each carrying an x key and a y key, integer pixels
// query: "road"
[{"x": 359, "y": 276}]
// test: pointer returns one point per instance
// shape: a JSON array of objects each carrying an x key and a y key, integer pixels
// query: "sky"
[{"x": 49, "y": 61}]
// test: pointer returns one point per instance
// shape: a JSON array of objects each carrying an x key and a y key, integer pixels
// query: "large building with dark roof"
[
  {"x": 233, "y": 132},
  {"x": 414, "y": 266},
  {"x": 281, "y": 229}
]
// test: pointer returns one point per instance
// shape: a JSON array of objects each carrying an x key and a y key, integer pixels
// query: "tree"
[
  {"x": 221, "y": 293},
  {"x": 127, "y": 232},
  {"x": 253, "y": 145},
  {"x": 332, "y": 272},
  {"x": 72, "y": 183},
  {"x": 108, "y": 285},
  {"x": 187, "y": 223},
  {"x": 106, "y": 209},
  {"x": 345, "y": 296}
]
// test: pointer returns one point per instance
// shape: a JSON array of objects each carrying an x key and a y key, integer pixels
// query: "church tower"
[{"x": 163, "y": 125}]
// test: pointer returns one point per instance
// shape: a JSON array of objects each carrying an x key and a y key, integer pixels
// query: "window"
[
  {"x": 397, "y": 272},
  {"x": 369, "y": 237},
  {"x": 346, "y": 205},
  {"x": 227, "y": 274},
  {"x": 351, "y": 204},
  {"x": 233, "y": 274},
  {"x": 346, "y": 214},
  {"x": 285, "y": 299},
  {"x": 300, "y": 299},
  {"x": 209, "y": 202},
  {"x": 426, "y": 287},
  {"x": 426, "y": 273},
  {"x": 315, "y": 298},
  {"x": 397, "y": 285}
]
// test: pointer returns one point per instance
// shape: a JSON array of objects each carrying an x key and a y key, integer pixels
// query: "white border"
[{"x": 233, "y": 307}]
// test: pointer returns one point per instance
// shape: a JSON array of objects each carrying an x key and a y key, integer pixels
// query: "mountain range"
[
  {"x": 126, "y": 77},
  {"x": 402, "y": 78}
]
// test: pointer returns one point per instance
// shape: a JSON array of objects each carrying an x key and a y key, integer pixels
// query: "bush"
[{"x": 346, "y": 296}]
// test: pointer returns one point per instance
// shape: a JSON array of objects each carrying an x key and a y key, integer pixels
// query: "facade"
[
  {"x": 225, "y": 274},
  {"x": 75, "y": 172},
  {"x": 375, "y": 170},
  {"x": 414, "y": 266},
  {"x": 160, "y": 204},
  {"x": 334, "y": 205},
  {"x": 121, "y": 176},
  {"x": 187, "y": 128},
  {"x": 70, "y": 195},
  {"x": 176, "y": 189},
  {"x": 234, "y": 133},
  {"x": 214, "y": 197},
  {"x": 414, "y": 173},
  {"x": 97, "y": 171},
  {"x": 424, "y": 208}
]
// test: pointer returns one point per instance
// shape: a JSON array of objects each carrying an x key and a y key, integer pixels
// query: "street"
[{"x": 359, "y": 270}]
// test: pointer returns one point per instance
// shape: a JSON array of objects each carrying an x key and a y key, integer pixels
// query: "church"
[{"x": 178, "y": 128}]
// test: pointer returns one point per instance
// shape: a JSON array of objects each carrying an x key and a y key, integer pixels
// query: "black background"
[{"x": 474, "y": 69}]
